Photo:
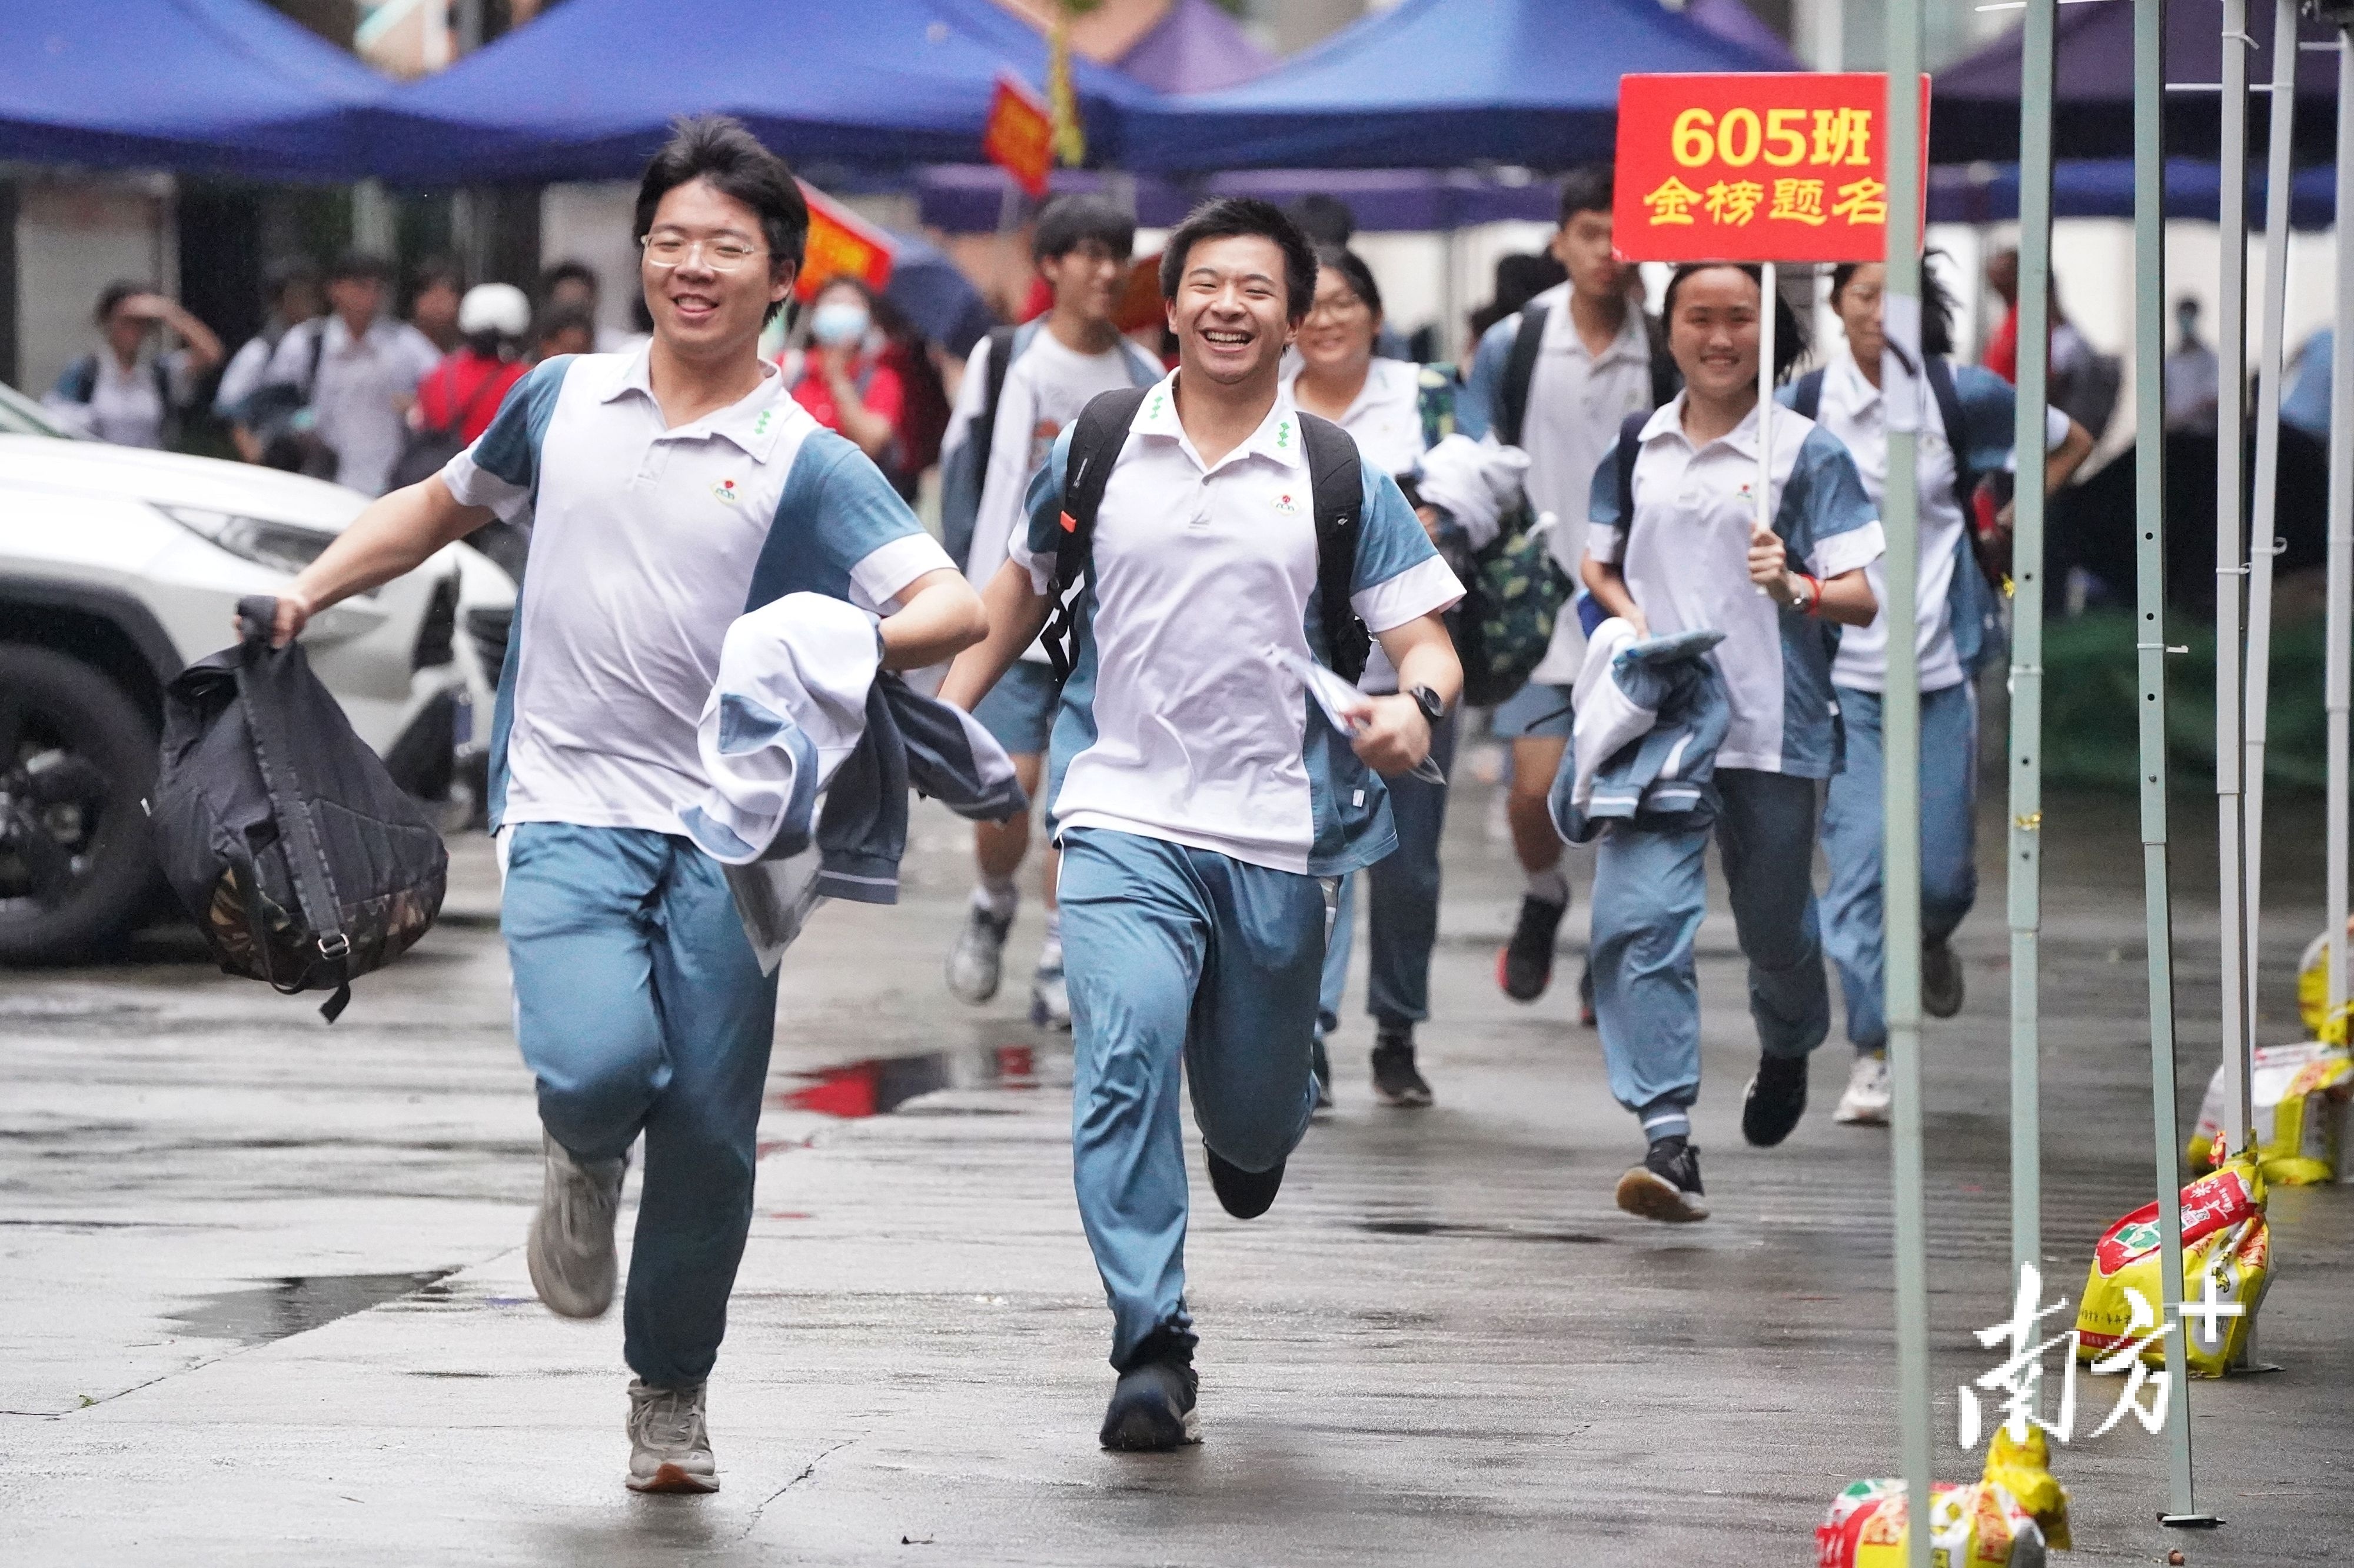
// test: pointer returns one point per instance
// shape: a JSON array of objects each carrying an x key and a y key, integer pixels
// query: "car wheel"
[{"x": 77, "y": 760}]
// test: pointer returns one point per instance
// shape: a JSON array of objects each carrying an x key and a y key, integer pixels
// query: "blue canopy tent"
[
  {"x": 588, "y": 89},
  {"x": 963, "y": 198},
  {"x": 213, "y": 86},
  {"x": 2103, "y": 188},
  {"x": 1196, "y": 47},
  {"x": 1434, "y": 84},
  {"x": 939, "y": 300}
]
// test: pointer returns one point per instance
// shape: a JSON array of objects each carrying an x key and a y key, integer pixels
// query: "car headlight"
[{"x": 283, "y": 545}]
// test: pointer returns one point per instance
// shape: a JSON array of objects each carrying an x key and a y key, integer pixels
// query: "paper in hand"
[{"x": 1346, "y": 706}]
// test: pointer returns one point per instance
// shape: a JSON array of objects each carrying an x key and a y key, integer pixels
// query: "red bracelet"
[{"x": 1813, "y": 593}]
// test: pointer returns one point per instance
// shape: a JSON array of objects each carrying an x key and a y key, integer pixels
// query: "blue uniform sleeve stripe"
[
  {"x": 1475, "y": 406},
  {"x": 509, "y": 449},
  {"x": 1825, "y": 497},
  {"x": 1043, "y": 502},
  {"x": 1990, "y": 406},
  {"x": 1393, "y": 539},
  {"x": 1602, "y": 494}
]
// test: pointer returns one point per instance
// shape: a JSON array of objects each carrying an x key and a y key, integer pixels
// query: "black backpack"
[
  {"x": 300, "y": 860},
  {"x": 1521, "y": 370},
  {"x": 428, "y": 452},
  {"x": 1336, "y": 483}
]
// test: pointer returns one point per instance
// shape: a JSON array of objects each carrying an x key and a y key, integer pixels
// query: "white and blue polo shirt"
[
  {"x": 1686, "y": 559},
  {"x": 1175, "y": 724},
  {"x": 647, "y": 543}
]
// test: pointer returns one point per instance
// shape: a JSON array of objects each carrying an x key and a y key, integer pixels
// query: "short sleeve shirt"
[
  {"x": 1176, "y": 724},
  {"x": 647, "y": 543},
  {"x": 1851, "y": 409},
  {"x": 1686, "y": 560},
  {"x": 363, "y": 391}
]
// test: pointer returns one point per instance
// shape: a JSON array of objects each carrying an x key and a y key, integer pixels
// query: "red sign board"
[
  {"x": 1020, "y": 135},
  {"x": 841, "y": 243},
  {"x": 1755, "y": 166}
]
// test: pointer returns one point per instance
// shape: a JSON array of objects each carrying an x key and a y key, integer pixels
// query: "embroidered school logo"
[
  {"x": 1285, "y": 506},
  {"x": 760, "y": 425},
  {"x": 1283, "y": 436},
  {"x": 726, "y": 491}
]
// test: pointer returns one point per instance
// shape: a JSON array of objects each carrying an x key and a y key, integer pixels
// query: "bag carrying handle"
[{"x": 305, "y": 856}]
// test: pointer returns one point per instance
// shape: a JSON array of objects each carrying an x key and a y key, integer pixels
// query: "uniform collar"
[
  {"x": 1669, "y": 417},
  {"x": 754, "y": 422},
  {"x": 1278, "y": 438},
  {"x": 1854, "y": 392},
  {"x": 1386, "y": 380},
  {"x": 1561, "y": 334}
]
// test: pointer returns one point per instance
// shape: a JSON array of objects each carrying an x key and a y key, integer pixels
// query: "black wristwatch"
[{"x": 1429, "y": 701}]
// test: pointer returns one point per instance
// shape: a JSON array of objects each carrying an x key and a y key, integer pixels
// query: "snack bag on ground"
[
  {"x": 2299, "y": 1094},
  {"x": 2313, "y": 993},
  {"x": 2223, "y": 1232},
  {"x": 2005, "y": 1520}
]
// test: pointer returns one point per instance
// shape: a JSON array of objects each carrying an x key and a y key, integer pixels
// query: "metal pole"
[
  {"x": 2027, "y": 637},
  {"x": 2341, "y": 526},
  {"x": 2262, "y": 544},
  {"x": 2231, "y": 564},
  {"x": 1767, "y": 300},
  {"x": 1900, "y": 512},
  {"x": 2150, "y": 595}
]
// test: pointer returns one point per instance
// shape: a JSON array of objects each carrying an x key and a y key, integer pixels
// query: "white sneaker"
[
  {"x": 976, "y": 962},
  {"x": 669, "y": 1449},
  {"x": 570, "y": 1253},
  {"x": 1865, "y": 1103},
  {"x": 1050, "y": 997}
]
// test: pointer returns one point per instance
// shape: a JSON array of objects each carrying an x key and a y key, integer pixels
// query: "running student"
[
  {"x": 1199, "y": 800},
  {"x": 674, "y": 487},
  {"x": 1395, "y": 411},
  {"x": 1958, "y": 632},
  {"x": 1021, "y": 386},
  {"x": 1558, "y": 378},
  {"x": 1689, "y": 559}
]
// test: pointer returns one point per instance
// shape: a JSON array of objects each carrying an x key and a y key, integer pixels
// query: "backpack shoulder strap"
[
  {"x": 1806, "y": 395},
  {"x": 1629, "y": 447},
  {"x": 79, "y": 383},
  {"x": 1940, "y": 376},
  {"x": 984, "y": 435},
  {"x": 1433, "y": 400},
  {"x": 1336, "y": 479},
  {"x": 1096, "y": 438},
  {"x": 1520, "y": 371},
  {"x": 318, "y": 349}
]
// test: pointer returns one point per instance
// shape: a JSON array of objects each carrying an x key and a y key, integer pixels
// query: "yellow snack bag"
[
  {"x": 2299, "y": 1095},
  {"x": 2223, "y": 1236},
  {"x": 2004, "y": 1521},
  {"x": 2024, "y": 1470}
]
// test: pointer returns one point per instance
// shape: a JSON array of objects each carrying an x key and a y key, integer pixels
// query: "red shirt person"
[
  {"x": 843, "y": 378},
  {"x": 463, "y": 393}
]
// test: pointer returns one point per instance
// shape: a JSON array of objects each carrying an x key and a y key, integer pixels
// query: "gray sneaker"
[
  {"x": 976, "y": 962},
  {"x": 669, "y": 1449},
  {"x": 570, "y": 1253}
]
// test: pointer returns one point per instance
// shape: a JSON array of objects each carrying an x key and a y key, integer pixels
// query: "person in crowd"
[
  {"x": 2304, "y": 395},
  {"x": 1197, "y": 798},
  {"x": 563, "y": 329},
  {"x": 463, "y": 392},
  {"x": 670, "y": 488},
  {"x": 358, "y": 372},
  {"x": 2194, "y": 376},
  {"x": 1590, "y": 360},
  {"x": 132, "y": 391},
  {"x": 1386, "y": 407},
  {"x": 434, "y": 299},
  {"x": 2001, "y": 355},
  {"x": 841, "y": 376},
  {"x": 1689, "y": 557},
  {"x": 1518, "y": 280},
  {"x": 1958, "y": 632},
  {"x": 289, "y": 297},
  {"x": 574, "y": 285},
  {"x": 1081, "y": 247},
  {"x": 1330, "y": 222}
]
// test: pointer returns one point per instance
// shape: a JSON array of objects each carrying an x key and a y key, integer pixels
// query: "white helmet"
[{"x": 494, "y": 307}]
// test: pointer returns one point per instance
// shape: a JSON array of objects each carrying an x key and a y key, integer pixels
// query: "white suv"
[{"x": 118, "y": 567}]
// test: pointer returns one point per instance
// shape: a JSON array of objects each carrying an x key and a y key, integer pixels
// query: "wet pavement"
[{"x": 262, "y": 1295}]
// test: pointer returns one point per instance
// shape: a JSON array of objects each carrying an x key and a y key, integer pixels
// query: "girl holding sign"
[
  {"x": 1680, "y": 549},
  {"x": 1965, "y": 434}
]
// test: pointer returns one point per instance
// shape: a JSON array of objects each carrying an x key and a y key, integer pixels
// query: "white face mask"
[{"x": 839, "y": 322}]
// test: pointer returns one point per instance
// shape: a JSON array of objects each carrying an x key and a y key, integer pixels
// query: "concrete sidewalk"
[{"x": 1443, "y": 1345}]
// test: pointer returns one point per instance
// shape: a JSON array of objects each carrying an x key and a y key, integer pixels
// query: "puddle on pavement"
[
  {"x": 881, "y": 1085},
  {"x": 1492, "y": 1233},
  {"x": 277, "y": 1308}
]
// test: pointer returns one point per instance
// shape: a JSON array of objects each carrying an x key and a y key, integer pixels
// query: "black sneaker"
[
  {"x": 1775, "y": 1100},
  {"x": 1151, "y": 1409},
  {"x": 1941, "y": 980},
  {"x": 1666, "y": 1186},
  {"x": 1246, "y": 1195},
  {"x": 1525, "y": 966},
  {"x": 1586, "y": 995},
  {"x": 1320, "y": 1070},
  {"x": 1396, "y": 1080}
]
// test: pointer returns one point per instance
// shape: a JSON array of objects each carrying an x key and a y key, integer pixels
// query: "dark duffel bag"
[{"x": 302, "y": 862}]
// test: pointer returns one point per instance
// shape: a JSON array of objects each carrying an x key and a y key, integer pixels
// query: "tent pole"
[
  {"x": 2027, "y": 637},
  {"x": 2231, "y": 563},
  {"x": 2262, "y": 544},
  {"x": 2149, "y": 644},
  {"x": 1900, "y": 757},
  {"x": 2341, "y": 524},
  {"x": 1768, "y": 298}
]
